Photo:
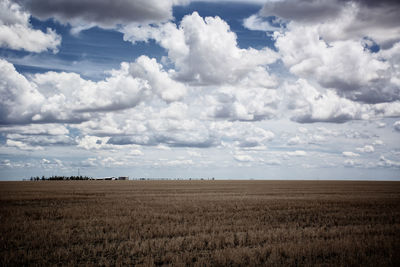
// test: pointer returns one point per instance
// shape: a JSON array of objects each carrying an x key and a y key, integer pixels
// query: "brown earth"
[{"x": 214, "y": 223}]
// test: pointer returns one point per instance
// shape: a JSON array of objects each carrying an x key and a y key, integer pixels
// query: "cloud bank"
[{"x": 331, "y": 70}]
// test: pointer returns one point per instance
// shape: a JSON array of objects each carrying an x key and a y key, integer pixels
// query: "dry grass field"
[{"x": 197, "y": 223}]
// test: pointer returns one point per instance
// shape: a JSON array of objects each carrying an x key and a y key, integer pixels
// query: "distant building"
[{"x": 123, "y": 178}]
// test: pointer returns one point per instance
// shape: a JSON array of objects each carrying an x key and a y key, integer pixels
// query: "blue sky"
[{"x": 283, "y": 89}]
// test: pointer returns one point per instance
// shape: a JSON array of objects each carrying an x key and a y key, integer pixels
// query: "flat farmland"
[{"x": 197, "y": 223}]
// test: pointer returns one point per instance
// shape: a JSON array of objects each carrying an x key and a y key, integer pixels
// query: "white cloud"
[
  {"x": 20, "y": 100},
  {"x": 310, "y": 105},
  {"x": 384, "y": 162},
  {"x": 243, "y": 135},
  {"x": 297, "y": 153},
  {"x": 36, "y": 129},
  {"x": 175, "y": 111},
  {"x": 366, "y": 149},
  {"x": 119, "y": 91},
  {"x": 294, "y": 141},
  {"x": 66, "y": 97},
  {"x": 350, "y": 154},
  {"x": 135, "y": 152},
  {"x": 346, "y": 66},
  {"x": 387, "y": 109},
  {"x": 257, "y": 23},
  {"x": 194, "y": 154},
  {"x": 17, "y": 33},
  {"x": 381, "y": 125},
  {"x": 203, "y": 50},
  {"x": 243, "y": 103},
  {"x": 159, "y": 80},
  {"x": 271, "y": 162},
  {"x": 22, "y": 145},
  {"x": 378, "y": 143},
  {"x": 41, "y": 140},
  {"x": 352, "y": 163},
  {"x": 303, "y": 130},
  {"x": 243, "y": 158},
  {"x": 178, "y": 162},
  {"x": 6, "y": 163},
  {"x": 92, "y": 142},
  {"x": 330, "y": 44}
]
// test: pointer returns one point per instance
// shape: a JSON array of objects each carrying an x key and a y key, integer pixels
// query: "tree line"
[{"x": 60, "y": 178}]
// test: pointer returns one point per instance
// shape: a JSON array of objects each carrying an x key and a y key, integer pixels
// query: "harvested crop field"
[{"x": 245, "y": 223}]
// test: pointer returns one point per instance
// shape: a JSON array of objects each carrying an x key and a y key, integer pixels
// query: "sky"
[{"x": 282, "y": 89}]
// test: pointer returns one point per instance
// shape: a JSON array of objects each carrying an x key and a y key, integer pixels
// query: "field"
[{"x": 213, "y": 223}]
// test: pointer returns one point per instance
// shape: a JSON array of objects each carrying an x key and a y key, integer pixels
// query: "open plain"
[{"x": 247, "y": 223}]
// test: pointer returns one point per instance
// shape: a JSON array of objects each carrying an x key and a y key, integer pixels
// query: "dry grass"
[{"x": 200, "y": 223}]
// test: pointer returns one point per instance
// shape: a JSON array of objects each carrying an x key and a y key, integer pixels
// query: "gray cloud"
[
  {"x": 378, "y": 20},
  {"x": 302, "y": 10},
  {"x": 169, "y": 139},
  {"x": 42, "y": 140},
  {"x": 106, "y": 13},
  {"x": 396, "y": 126},
  {"x": 320, "y": 10}
]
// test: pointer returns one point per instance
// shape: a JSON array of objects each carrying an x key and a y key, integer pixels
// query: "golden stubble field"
[{"x": 197, "y": 223}]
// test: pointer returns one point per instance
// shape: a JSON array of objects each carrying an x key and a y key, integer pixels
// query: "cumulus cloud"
[
  {"x": 83, "y": 14},
  {"x": 243, "y": 103},
  {"x": 242, "y": 135},
  {"x": 48, "y": 97},
  {"x": 67, "y": 97},
  {"x": 345, "y": 66},
  {"x": 92, "y": 142},
  {"x": 159, "y": 80},
  {"x": 17, "y": 33},
  {"x": 20, "y": 100},
  {"x": 351, "y": 47},
  {"x": 387, "y": 110},
  {"x": 118, "y": 91},
  {"x": 311, "y": 105},
  {"x": 203, "y": 50}
]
